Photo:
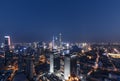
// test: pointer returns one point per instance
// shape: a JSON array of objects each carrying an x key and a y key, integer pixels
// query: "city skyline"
[{"x": 89, "y": 21}]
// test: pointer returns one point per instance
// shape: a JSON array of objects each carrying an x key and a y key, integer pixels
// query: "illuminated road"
[
  {"x": 95, "y": 67},
  {"x": 13, "y": 68}
]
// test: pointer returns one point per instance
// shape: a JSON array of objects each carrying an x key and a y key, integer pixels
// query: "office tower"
[
  {"x": 2, "y": 59},
  {"x": 8, "y": 54},
  {"x": 20, "y": 62},
  {"x": 38, "y": 53},
  {"x": 40, "y": 47},
  {"x": 34, "y": 44},
  {"x": 73, "y": 64},
  {"x": 56, "y": 62},
  {"x": 66, "y": 67},
  {"x": 7, "y": 40},
  {"x": 51, "y": 63},
  {"x": 70, "y": 65},
  {"x": 53, "y": 43},
  {"x": 29, "y": 67},
  {"x": 60, "y": 37},
  {"x": 60, "y": 40},
  {"x": 7, "y": 43}
]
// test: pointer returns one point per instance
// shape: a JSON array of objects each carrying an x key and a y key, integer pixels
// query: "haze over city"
[{"x": 80, "y": 20}]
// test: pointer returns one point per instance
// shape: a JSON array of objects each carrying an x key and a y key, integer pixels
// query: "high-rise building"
[
  {"x": 60, "y": 40},
  {"x": 7, "y": 40},
  {"x": 60, "y": 37},
  {"x": 66, "y": 67},
  {"x": 8, "y": 54},
  {"x": 7, "y": 43},
  {"x": 20, "y": 62},
  {"x": 57, "y": 42},
  {"x": 73, "y": 64},
  {"x": 29, "y": 69},
  {"x": 51, "y": 63},
  {"x": 53, "y": 43},
  {"x": 70, "y": 65},
  {"x": 56, "y": 62}
]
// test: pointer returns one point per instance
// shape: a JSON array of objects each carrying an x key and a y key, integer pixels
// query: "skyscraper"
[
  {"x": 66, "y": 67},
  {"x": 73, "y": 64},
  {"x": 7, "y": 40},
  {"x": 60, "y": 37},
  {"x": 56, "y": 62},
  {"x": 8, "y": 54},
  {"x": 60, "y": 40},
  {"x": 53, "y": 43},
  {"x": 51, "y": 63},
  {"x": 7, "y": 43},
  {"x": 70, "y": 65}
]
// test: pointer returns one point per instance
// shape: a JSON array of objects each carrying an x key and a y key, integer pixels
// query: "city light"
[
  {"x": 60, "y": 40},
  {"x": 74, "y": 62}
]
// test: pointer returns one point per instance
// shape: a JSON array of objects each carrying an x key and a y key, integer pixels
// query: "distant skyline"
[{"x": 77, "y": 20}]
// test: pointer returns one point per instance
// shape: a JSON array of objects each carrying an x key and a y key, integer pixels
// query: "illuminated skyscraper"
[
  {"x": 7, "y": 40},
  {"x": 8, "y": 54},
  {"x": 66, "y": 67},
  {"x": 53, "y": 43},
  {"x": 70, "y": 65},
  {"x": 73, "y": 64},
  {"x": 51, "y": 63},
  {"x": 60, "y": 37},
  {"x": 54, "y": 63},
  {"x": 60, "y": 40}
]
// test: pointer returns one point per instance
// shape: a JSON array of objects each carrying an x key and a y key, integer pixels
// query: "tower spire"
[
  {"x": 53, "y": 41},
  {"x": 60, "y": 40},
  {"x": 60, "y": 37}
]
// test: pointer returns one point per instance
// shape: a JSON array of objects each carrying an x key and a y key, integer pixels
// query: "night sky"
[{"x": 77, "y": 20}]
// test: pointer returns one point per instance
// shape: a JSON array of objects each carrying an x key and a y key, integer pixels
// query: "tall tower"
[
  {"x": 7, "y": 50},
  {"x": 66, "y": 67},
  {"x": 7, "y": 40},
  {"x": 60, "y": 37},
  {"x": 73, "y": 64},
  {"x": 53, "y": 42},
  {"x": 70, "y": 65},
  {"x": 20, "y": 63},
  {"x": 31, "y": 69},
  {"x": 51, "y": 63},
  {"x": 56, "y": 62},
  {"x": 60, "y": 40}
]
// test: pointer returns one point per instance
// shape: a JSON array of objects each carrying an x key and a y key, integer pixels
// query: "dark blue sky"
[{"x": 77, "y": 20}]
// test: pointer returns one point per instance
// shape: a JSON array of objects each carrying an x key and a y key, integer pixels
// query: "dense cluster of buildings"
[{"x": 59, "y": 61}]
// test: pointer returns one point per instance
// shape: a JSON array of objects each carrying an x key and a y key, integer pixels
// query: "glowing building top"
[{"x": 7, "y": 40}]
